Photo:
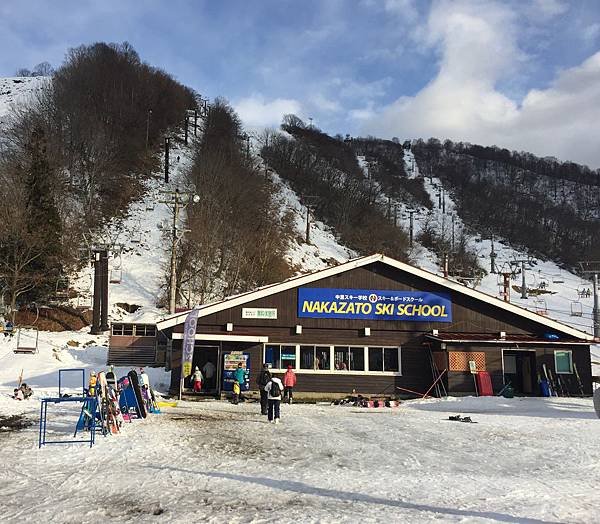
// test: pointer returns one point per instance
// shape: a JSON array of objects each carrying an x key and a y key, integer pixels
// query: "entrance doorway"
[
  {"x": 207, "y": 360},
  {"x": 520, "y": 370}
]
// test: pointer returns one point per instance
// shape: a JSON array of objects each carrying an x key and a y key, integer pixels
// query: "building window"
[
  {"x": 117, "y": 329},
  {"x": 273, "y": 356},
  {"x": 128, "y": 330},
  {"x": 307, "y": 357},
  {"x": 375, "y": 359},
  {"x": 349, "y": 358},
  {"x": 563, "y": 361},
  {"x": 288, "y": 356},
  {"x": 391, "y": 362},
  {"x": 145, "y": 330},
  {"x": 384, "y": 359},
  {"x": 313, "y": 358},
  {"x": 340, "y": 358},
  {"x": 322, "y": 357},
  {"x": 357, "y": 359}
]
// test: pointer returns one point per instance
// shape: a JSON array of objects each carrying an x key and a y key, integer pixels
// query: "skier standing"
[
  {"x": 263, "y": 379},
  {"x": 289, "y": 381},
  {"x": 197, "y": 380},
  {"x": 274, "y": 388}
]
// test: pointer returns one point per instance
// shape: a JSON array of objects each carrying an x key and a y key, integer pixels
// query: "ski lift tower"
[
  {"x": 176, "y": 200},
  {"x": 593, "y": 268}
]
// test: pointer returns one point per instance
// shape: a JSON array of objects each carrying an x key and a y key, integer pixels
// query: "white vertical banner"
[{"x": 189, "y": 337}]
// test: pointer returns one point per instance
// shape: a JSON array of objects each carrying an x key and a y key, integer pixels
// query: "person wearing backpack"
[
  {"x": 263, "y": 379},
  {"x": 274, "y": 389}
]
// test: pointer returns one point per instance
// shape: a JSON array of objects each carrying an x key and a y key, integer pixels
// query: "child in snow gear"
[
  {"x": 26, "y": 391},
  {"x": 92, "y": 384},
  {"x": 289, "y": 381},
  {"x": 236, "y": 392},
  {"x": 263, "y": 379},
  {"x": 18, "y": 394},
  {"x": 197, "y": 380},
  {"x": 274, "y": 388},
  {"x": 240, "y": 376}
]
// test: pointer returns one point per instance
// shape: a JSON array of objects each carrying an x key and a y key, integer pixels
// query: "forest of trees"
[
  {"x": 75, "y": 157},
  {"x": 238, "y": 234},
  {"x": 325, "y": 171},
  {"x": 549, "y": 208}
]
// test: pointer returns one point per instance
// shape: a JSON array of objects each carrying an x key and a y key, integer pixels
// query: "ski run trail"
[{"x": 529, "y": 460}]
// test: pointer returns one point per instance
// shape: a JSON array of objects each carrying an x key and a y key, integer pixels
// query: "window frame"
[
  {"x": 570, "y": 353},
  {"x": 331, "y": 370}
]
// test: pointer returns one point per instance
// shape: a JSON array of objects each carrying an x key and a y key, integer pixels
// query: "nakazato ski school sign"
[{"x": 375, "y": 304}]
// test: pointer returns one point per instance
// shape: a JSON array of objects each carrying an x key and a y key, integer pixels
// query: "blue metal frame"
[
  {"x": 90, "y": 401},
  {"x": 61, "y": 371}
]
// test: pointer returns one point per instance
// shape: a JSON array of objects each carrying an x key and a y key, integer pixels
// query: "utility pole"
[
  {"x": 185, "y": 125},
  {"x": 493, "y": 258},
  {"x": 506, "y": 286},
  {"x": 148, "y": 126},
  {"x": 167, "y": 143},
  {"x": 523, "y": 261},
  {"x": 411, "y": 228},
  {"x": 178, "y": 201},
  {"x": 593, "y": 268},
  {"x": 453, "y": 220},
  {"x": 308, "y": 201},
  {"x": 446, "y": 268}
]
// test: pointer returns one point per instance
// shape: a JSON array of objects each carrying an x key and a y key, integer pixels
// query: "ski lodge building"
[{"x": 373, "y": 325}]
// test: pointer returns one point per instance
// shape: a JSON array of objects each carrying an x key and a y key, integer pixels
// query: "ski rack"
[{"x": 89, "y": 401}]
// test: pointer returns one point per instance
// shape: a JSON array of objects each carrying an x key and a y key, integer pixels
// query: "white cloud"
[
  {"x": 591, "y": 33},
  {"x": 256, "y": 112},
  {"x": 478, "y": 45},
  {"x": 550, "y": 8},
  {"x": 405, "y": 8}
]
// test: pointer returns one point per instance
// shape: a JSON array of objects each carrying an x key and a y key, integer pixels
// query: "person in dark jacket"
[{"x": 263, "y": 379}]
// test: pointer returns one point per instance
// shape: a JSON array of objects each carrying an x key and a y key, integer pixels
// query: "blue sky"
[{"x": 522, "y": 74}]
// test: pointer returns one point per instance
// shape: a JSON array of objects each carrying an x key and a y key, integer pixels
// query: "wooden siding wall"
[
  {"x": 468, "y": 316},
  {"x": 131, "y": 350},
  {"x": 463, "y": 382}
]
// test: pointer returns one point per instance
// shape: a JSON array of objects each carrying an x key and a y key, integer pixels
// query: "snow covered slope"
[
  {"x": 137, "y": 274},
  {"x": 324, "y": 248},
  {"x": 17, "y": 91}
]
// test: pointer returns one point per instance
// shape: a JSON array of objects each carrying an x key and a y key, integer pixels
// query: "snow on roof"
[{"x": 301, "y": 280}]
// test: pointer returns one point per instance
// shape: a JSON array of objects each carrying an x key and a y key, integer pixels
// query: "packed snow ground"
[{"x": 526, "y": 460}]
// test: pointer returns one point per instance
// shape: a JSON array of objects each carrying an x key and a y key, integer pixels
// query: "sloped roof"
[{"x": 302, "y": 280}]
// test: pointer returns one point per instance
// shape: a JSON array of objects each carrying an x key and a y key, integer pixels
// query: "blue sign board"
[{"x": 374, "y": 304}]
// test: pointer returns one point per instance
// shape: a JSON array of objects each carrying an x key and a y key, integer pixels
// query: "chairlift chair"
[
  {"x": 576, "y": 308},
  {"x": 27, "y": 340},
  {"x": 540, "y": 307},
  {"x": 116, "y": 275},
  {"x": 62, "y": 287}
]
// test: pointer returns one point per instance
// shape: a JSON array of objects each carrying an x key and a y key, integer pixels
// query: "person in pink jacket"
[{"x": 289, "y": 381}]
